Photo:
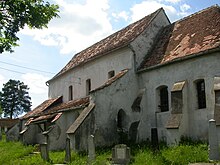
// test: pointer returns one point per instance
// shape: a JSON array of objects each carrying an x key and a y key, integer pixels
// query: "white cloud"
[
  {"x": 146, "y": 7},
  {"x": 173, "y": 11},
  {"x": 173, "y": 1},
  {"x": 184, "y": 10},
  {"x": 78, "y": 27},
  {"x": 38, "y": 89},
  {"x": 122, "y": 14},
  {"x": 184, "y": 7},
  {"x": 35, "y": 82}
]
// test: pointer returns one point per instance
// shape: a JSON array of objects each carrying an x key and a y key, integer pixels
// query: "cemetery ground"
[{"x": 187, "y": 152}]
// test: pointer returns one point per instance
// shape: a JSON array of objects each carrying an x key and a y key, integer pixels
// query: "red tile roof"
[
  {"x": 69, "y": 105},
  {"x": 42, "y": 107},
  {"x": 43, "y": 118},
  {"x": 111, "y": 80},
  {"x": 112, "y": 42},
  {"x": 46, "y": 111},
  {"x": 192, "y": 35}
]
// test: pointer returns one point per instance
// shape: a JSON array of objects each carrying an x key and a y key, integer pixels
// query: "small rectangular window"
[
  {"x": 111, "y": 74},
  {"x": 164, "y": 102},
  {"x": 200, "y": 86},
  {"x": 88, "y": 86},
  {"x": 217, "y": 97},
  {"x": 70, "y": 92}
]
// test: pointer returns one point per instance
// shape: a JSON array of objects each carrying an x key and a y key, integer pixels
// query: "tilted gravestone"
[
  {"x": 154, "y": 139},
  {"x": 213, "y": 141},
  {"x": 44, "y": 151},
  {"x": 121, "y": 154},
  {"x": 68, "y": 151},
  {"x": 91, "y": 148}
]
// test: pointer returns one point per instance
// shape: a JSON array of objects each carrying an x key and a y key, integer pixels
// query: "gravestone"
[
  {"x": 154, "y": 139},
  {"x": 121, "y": 154},
  {"x": 68, "y": 151},
  {"x": 44, "y": 151},
  {"x": 91, "y": 149},
  {"x": 213, "y": 141}
]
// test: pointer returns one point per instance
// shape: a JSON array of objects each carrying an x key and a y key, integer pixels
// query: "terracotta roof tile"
[
  {"x": 46, "y": 111},
  {"x": 111, "y": 80},
  {"x": 42, "y": 107},
  {"x": 42, "y": 118},
  {"x": 69, "y": 105},
  {"x": 194, "y": 34},
  {"x": 112, "y": 42}
]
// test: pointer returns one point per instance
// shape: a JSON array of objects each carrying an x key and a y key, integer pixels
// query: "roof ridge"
[
  {"x": 185, "y": 37},
  {"x": 196, "y": 13},
  {"x": 91, "y": 52},
  {"x": 155, "y": 12}
]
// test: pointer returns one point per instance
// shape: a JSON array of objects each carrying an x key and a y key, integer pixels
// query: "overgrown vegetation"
[{"x": 188, "y": 151}]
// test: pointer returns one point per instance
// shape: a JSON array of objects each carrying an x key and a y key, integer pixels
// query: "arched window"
[{"x": 121, "y": 119}]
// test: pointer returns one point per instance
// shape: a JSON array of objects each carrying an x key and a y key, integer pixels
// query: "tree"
[
  {"x": 14, "y": 98},
  {"x": 0, "y": 109},
  {"x": 15, "y": 14}
]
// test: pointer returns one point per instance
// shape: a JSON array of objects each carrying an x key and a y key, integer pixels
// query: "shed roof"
[
  {"x": 112, "y": 80},
  {"x": 42, "y": 107},
  {"x": 115, "y": 41},
  {"x": 45, "y": 110},
  {"x": 192, "y": 35},
  {"x": 81, "y": 102}
]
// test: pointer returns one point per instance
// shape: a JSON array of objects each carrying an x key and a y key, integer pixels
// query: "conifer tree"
[{"x": 15, "y": 99}]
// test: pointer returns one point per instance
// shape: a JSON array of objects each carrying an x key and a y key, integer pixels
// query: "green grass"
[{"x": 14, "y": 153}]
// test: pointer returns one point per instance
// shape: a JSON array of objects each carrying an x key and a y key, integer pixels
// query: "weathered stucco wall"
[
  {"x": 79, "y": 140},
  {"x": 96, "y": 70},
  {"x": 29, "y": 137},
  {"x": 13, "y": 133},
  {"x": 144, "y": 42},
  {"x": 194, "y": 121},
  {"x": 109, "y": 101},
  {"x": 57, "y": 137}
]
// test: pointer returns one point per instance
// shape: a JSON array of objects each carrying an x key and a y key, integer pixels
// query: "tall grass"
[{"x": 14, "y": 153}]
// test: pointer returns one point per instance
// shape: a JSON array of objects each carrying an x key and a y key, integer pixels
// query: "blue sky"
[{"x": 81, "y": 23}]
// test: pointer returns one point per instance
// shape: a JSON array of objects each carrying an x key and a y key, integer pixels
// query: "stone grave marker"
[
  {"x": 154, "y": 139},
  {"x": 91, "y": 149},
  {"x": 44, "y": 151},
  {"x": 213, "y": 141},
  {"x": 68, "y": 151},
  {"x": 121, "y": 154}
]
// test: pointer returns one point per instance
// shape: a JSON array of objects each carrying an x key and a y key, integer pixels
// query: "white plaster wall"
[
  {"x": 96, "y": 70},
  {"x": 57, "y": 137},
  {"x": 108, "y": 101},
  {"x": 203, "y": 67},
  {"x": 143, "y": 43}
]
